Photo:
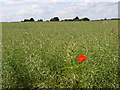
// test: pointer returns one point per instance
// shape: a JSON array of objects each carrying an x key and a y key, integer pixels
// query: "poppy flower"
[{"x": 81, "y": 58}]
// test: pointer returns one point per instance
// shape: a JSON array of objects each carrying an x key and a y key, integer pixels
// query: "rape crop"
[{"x": 45, "y": 54}]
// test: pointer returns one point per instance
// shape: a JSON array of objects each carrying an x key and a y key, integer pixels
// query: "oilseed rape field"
[{"x": 45, "y": 54}]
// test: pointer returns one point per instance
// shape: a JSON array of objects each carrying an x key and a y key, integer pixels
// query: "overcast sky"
[{"x": 17, "y": 10}]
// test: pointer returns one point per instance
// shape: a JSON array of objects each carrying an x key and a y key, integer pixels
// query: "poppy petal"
[{"x": 81, "y": 58}]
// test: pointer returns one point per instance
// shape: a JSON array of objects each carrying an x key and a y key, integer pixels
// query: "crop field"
[{"x": 45, "y": 54}]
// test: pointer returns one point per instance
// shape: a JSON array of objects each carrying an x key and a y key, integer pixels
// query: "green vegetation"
[
  {"x": 0, "y": 55},
  {"x": 45, "y": 54}
]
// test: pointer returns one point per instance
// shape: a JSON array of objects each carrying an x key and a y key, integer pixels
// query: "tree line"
[
  {"x": 74, "y": 19},
  {"x": 56, "y": 19}
]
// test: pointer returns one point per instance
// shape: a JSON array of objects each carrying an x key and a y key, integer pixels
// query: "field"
[{"x": 45, "y": 54}]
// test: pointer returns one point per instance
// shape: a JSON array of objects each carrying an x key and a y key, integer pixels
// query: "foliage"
[{"x": 42, "y": 54}]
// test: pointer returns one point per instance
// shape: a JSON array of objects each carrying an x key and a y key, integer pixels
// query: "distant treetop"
[{"x": 57, "y": 19}]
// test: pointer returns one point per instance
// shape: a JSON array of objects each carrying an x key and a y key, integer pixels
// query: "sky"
[{"x": 17, "y": 10}]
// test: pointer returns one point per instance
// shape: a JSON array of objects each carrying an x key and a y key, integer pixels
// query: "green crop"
[{"x": 45, "y": 54}]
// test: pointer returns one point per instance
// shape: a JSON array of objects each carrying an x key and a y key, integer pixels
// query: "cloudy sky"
[{"x": 17, "y": 10}]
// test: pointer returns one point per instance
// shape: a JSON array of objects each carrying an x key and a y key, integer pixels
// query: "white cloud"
[
  {"x": 102, "y": 0},
  {"x": 62, "y": 10},
  {"x": 42, "y": 10},
  {"x": 59, "y": 0},
  {"x": 66, "y": 0},
  {"x": 13, "y": 1},
  {"x": 24, "y": 1},
  {"x": 18, "y": 1},
  {"x": 90, "y": 10},
  {"x": 29, "y": 10}
]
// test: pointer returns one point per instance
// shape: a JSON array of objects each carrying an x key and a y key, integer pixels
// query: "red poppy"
[{"x": 81, "y": 58}]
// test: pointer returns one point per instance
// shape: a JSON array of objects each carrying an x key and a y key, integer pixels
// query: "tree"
[
  {"x": 31, "y": 19},
  {"x": 26, "y": 20},
  {"x": 105, "y": 19},
  {"x": 76, "y": 19},
  {"x": 40, "y": 20},
  {"x": 85, "y": 19},
  {"x": 54, "y": 19}
]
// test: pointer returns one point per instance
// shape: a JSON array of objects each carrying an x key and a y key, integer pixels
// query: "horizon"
[{"x": 65, "y": 18}]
